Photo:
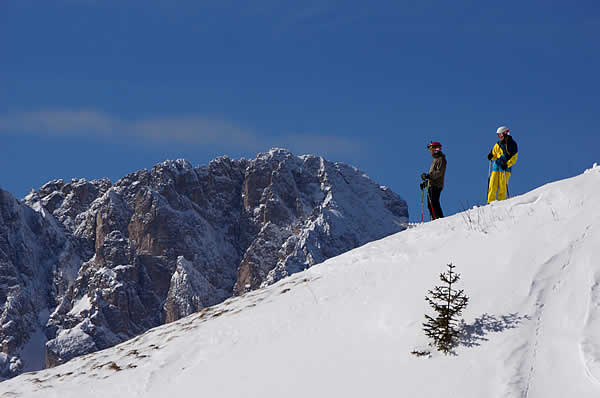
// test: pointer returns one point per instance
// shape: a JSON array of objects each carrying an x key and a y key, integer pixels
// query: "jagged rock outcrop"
[
  {"x": 309, "y": 210},
  {"x": 37, "y": 258},
  {"x": 161, "y": 244},
  {"x": 190, "y": 291}
]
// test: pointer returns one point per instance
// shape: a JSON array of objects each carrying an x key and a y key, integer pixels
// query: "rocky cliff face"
[
  {"x": 104, "y": 262},
  {"x": 38, "y": 260}
]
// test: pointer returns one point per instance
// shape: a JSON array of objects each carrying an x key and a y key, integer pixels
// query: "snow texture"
[{"x": 346, "y": 327}]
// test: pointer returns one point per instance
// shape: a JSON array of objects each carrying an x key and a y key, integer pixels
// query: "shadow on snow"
[{"x": 472, "y": 335}]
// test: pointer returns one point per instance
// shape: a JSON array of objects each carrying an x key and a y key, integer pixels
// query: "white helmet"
[{"x": 503, "y": 130}]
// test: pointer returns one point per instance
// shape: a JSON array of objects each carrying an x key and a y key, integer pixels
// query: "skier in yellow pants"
[{"x": 504, "y": 156}]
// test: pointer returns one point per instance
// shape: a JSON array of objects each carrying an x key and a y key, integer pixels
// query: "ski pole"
[
  {"x": 488, "y": 185},
  {"x": 422, "y": 193}
]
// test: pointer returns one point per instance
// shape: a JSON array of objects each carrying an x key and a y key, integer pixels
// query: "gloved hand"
[
  {"x": 423, "y": 185},
  {"x": 424, "y": 176},
  {"x": 490, "y": 156}
]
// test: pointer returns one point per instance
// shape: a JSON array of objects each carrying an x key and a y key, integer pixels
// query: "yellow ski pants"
[{"x": 499, "y": 184}]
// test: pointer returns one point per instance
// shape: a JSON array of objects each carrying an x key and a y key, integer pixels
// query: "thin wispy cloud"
[
  {"x": 188, "y": 131},
  {"x": 59, "y": 123}
]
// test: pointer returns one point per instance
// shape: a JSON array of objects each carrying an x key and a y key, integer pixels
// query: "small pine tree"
[{"x": 448, "y": 303}]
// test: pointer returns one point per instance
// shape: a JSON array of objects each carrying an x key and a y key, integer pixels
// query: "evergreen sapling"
[{"x": 448, "y": 303}]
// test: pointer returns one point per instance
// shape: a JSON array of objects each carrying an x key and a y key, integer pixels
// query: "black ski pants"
[{"x": 433, "y": 201}]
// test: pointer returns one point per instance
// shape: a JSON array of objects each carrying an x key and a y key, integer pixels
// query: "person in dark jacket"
[
  {"x": 434, "y": 180},
  {"x": 504, "y": 156}
]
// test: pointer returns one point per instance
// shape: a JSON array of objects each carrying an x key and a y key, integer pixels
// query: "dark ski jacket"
[{"x": 437, "y": 170}]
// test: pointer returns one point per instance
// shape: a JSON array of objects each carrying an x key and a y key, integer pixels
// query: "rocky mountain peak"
[{"x": 158, "y": 245}]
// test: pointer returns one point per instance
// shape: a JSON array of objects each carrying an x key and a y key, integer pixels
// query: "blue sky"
[{"x": 103, "y": 88}]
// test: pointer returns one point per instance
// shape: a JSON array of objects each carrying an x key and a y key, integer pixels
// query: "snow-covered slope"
[{"x": 345, "y": 328}]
